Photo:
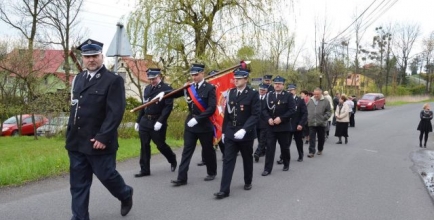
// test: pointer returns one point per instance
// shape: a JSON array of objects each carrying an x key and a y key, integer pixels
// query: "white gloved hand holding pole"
[
  {"x": 192, "y": 122},
  {"x": 223, "y": 138},
  {"x": 159, "y": 96},
  {"x": 157, "y": 126},
  {"x": 136, "y": 126},
  {"x": 240, "y": 134}
]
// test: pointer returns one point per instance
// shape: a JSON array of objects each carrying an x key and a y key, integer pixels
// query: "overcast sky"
[{"x": 101, "y": 16}]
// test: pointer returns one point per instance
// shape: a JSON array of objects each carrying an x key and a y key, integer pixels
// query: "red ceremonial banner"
[{"x": 222, "y": 84}]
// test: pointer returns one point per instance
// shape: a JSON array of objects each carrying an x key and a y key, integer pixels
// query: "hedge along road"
[{"x": 370, "y": 178}]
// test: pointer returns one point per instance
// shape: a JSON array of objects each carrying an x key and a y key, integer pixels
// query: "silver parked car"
[{"x": 55, "y": 126}]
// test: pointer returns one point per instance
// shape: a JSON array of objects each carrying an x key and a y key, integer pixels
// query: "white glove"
[
  {"x": 157, "y": 126},
  {"x": 136, "y": 126},
  {"x": 192, "y": 122},
  {"x": 240, "y": 134},
  {"x": 223, "y": 138},
  {"x": 159, "y": 96}
]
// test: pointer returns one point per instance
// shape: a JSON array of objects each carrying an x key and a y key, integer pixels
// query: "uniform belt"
[
  {"x": 236, "y": 123},
  {"x": 151, "y": 117}
]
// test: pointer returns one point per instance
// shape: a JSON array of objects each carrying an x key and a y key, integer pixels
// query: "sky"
[{"x": 101, "y": 16}]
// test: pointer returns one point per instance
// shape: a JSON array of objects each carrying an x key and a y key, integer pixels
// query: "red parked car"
[
  {"x": 10, "y": 127},
  {"x": 371, "y": 101}
]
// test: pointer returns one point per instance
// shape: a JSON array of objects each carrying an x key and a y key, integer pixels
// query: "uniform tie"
[
  {"x": 238, "y": 93},
  {"x": 87, "y": 79},
  {"x": 196, "y": 85}
]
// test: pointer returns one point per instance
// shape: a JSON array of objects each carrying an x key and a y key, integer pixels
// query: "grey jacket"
[{"x": 318, "y": 115}]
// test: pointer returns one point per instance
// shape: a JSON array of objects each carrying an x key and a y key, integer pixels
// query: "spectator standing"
[
  {"x": 342, "y": 115},
  {"x": 425, "y": 125}
]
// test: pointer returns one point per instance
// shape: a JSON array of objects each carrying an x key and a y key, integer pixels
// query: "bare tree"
[
  {"x": 428, "y": 55},
  {"x": 405, "y": 37},
  {"x": 61, "y": 20}
]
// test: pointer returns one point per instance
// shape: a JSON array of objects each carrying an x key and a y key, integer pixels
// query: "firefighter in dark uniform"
[
  {"x": 97, "y": 108},
  {"x": 220, "y": 145},
  {"x": 262, "y": 125},
  {"x": 152, "y": 124},
  {"x": 298, "y": 121},
  {"x": 280, "y": 108},
  {"x": 200, "y": 95},
  {"x": 266, "y": 79},
  {"x": 241, "y": 116}
]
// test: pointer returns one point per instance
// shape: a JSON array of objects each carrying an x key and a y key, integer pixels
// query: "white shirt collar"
[
  {"x": 92, "y": 73},
  {"x": 200, "y": 83}
]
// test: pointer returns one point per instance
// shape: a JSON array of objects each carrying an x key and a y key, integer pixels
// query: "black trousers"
[
  {"x": 222, "y": 150},
  {"x": 352, "y": 122},
  {"x": 231, "y": 151},
  {"x": 81, "y": 168},
  {"x": 298, "y": 138},
  {"x": 315, "y": 131},
  {"x": 159, "y": 138},
  {"x": 262, "y": 141},
  {"x": 272, "y": 139},
  {"x": 209, "y": 155}
]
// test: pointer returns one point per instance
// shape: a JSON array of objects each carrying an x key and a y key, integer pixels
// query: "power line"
[{"x": 354, "y": 21}]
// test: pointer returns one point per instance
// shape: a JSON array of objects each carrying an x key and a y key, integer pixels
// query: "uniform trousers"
[
  {"x": 298, "y": 138},
  {"x": 82, "y": 167},
  {"x": 272, "y": 139},
  {"x": 209, "y": 155},
  {"x": 231, "y": 151},
  {"x": 352, "y": 122},
  {"x": 315, "y": 131},
  {"x": 262, "y": 141},
  {"x": 159, "y": 138}
]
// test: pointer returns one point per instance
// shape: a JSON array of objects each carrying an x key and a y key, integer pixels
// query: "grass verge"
[{"x": 23, "y": 159}]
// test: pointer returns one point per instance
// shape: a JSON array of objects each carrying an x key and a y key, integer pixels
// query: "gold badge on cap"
[{"x": 89, "y": 42}]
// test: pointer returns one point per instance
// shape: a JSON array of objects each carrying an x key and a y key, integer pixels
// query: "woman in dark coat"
[{"x": 425, "y": 124}]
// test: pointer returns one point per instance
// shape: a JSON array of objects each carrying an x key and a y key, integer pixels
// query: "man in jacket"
[
  {"x": 298, "y": 121},
  {"x": 240, "y": 119},
  {"x": 318, "y": 113},
  {"x": 152, "y": 124},
  {"x": 202, "y": 103},
  {"x": 262, "y": 125},
  {"x": 97, "y": 108},
  {"x": 280, "y": 107}
]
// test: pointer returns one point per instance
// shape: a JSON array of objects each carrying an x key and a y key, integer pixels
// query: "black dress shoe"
[
  {"x": 265, "y": 173},
  {"x": 141, "y": 174},
  {"x": 247, "y": 186},
  {"x": 339, "y": 142},
  {"x": 256, "y": 157},
  {"x": 127, "y": 204},
  {"x": 201, "y": 163},
  {"x": 178, "y": 182},
  {"x": 300, "y": 160},
  {"x": 221, "y": 195},
  {"x": 280, "y": 161},
  {"x": 209, "y": 178},
  {"x": 173, "y": 166},
  {"x": 285, "y": 168}
]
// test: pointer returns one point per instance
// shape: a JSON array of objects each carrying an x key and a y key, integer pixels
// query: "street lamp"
[{"x": 320, "y": 81}]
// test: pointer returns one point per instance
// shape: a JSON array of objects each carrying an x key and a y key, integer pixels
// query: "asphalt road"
[{"x": 372, "y": 177}]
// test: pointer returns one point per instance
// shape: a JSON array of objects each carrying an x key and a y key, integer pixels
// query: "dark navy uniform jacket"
[
  {"x": 97, "y": 114},
  {"x": 300, "y": 116},
  {"x": 158, "y": 111},
  {"x": 262, "y": 122},
  {"x": 282, "y": 106},
  {"x": 241, "y": 112},
  {"x": 208, "y": 95}
]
